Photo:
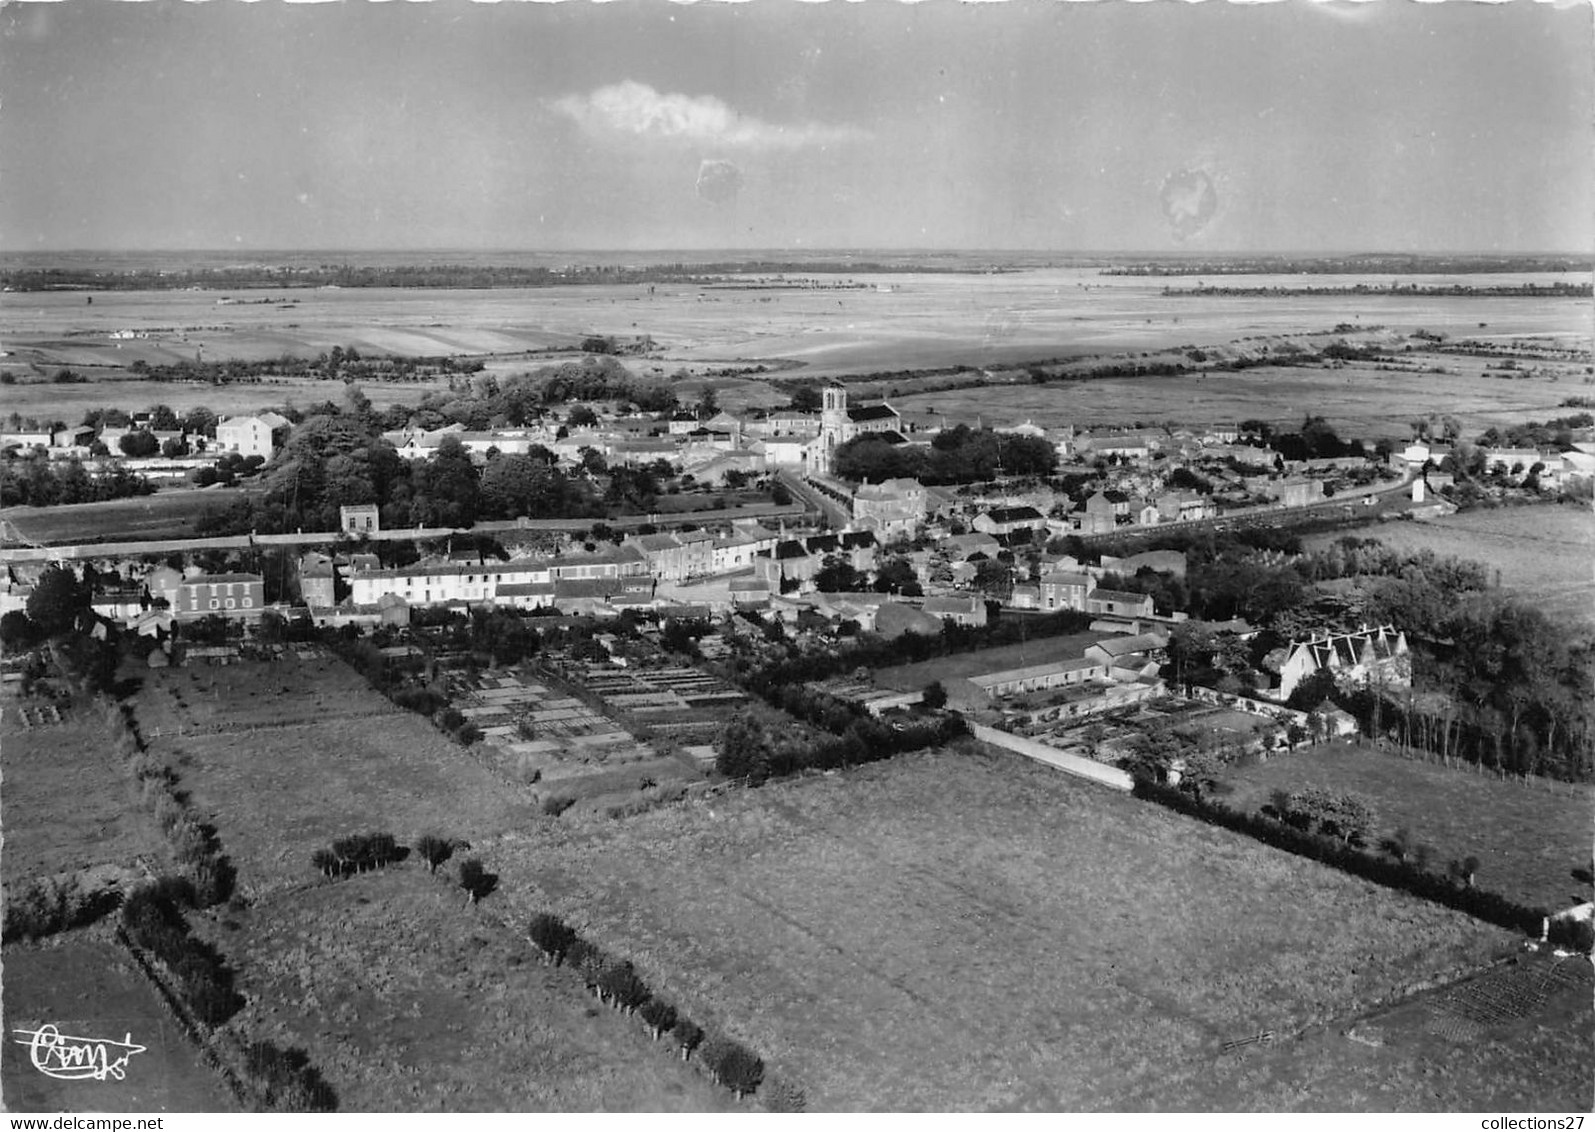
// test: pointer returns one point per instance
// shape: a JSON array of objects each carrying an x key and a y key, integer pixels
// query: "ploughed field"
[
  {"x": 963, "y": 930},
  {"x": 1528, "y": 837},
  {"x": 1545, "y": 554}
]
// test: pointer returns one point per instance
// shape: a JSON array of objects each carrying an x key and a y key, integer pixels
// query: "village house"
[
  {"x": 1129, "y": 657},
  {"x": 674, "y": 557},
  {"x": 359, "y": 519},
  {"x": 1063, "y": 442},
  {"x": 893, "y": 508},
  {"x": 737, "y": 550},
  {"x": 1098, "y": 515},
  {"x": 1118, "y": 603},
  {"x": 1127, "y": 445},
  {"x": 1376, "y": 656},
  {"x": 453, "y": 583},
  {"x": 1007, "y": 520},
  {"x": 961, "y": 548},
  {"x": 1065, "y": 590},
  {"x": 1184, "y": 505},
  {"x": 227, "y": 595},
  {"x": 26, "y": 438},
  {"x": 789, "y": 451},
  {"x": 317, "y": 580},
  {"x": 962, "y": 609},
  {"x": 1025, "y": 595},
  {"x": 255, "y": 435},
  {"x": 1515, "y": 461},
  {"x": 1143, "y": 512}
]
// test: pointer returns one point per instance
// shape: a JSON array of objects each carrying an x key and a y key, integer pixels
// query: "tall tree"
[{"x": 57, "y": 601}]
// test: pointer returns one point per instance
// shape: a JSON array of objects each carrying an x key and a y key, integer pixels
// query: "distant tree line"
[
  {"x": 1371, "y": 264},
  {"x": 438, "y": 276},
  {"x": 1451, "y": 291}
]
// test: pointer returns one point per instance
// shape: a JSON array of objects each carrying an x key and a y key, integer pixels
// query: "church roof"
[{"x": 872, "y": 413}]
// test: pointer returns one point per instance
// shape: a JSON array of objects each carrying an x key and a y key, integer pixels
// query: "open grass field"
[
  {"x": 1546, "y": 553},
  {"x": 1358, "y": 400},
  {"x": 1043, "y": 650},
  {"x": 164, "y": 515},
  {"x": 1430, "y": 1054},
  {"x": 69, "y": 802},
  {"x": 964, "y": 930},
  {"x": 1528, "y": 838},
  {"x": 407, "y": 1000},
  {"x": 289, "y": 755},
  {"x": 88, "y": 987},
  {"x": 50, "y": 402}
]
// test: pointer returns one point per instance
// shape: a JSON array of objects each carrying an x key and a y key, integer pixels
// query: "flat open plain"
[{"x": 895, "y": 322}]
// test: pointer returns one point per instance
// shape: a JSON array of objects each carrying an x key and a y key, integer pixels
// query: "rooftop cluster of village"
[{"x": 830, "y": 522}]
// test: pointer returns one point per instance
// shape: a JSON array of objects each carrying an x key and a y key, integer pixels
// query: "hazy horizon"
[
  {"x": 815, "y": 251},
  {"x": 1107, "y": 129}
]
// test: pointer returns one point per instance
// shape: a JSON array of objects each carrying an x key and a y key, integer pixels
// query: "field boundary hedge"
[
  {"x": 615, "y": 981},
  {"x": 194, "y": 982},
  {"x": 1491, "y": 907},
  {"x": 45, "y": 906}
]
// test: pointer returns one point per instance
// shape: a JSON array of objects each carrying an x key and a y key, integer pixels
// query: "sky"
[{"x": 640, "y": 124}]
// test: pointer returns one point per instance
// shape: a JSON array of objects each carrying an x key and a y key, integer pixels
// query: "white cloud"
[{"x": 638, "y": 109}]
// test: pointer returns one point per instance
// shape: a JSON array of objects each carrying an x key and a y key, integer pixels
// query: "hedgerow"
[
  {"x": 1390, "y": 873},
  {"x": 616, "y": 982}
]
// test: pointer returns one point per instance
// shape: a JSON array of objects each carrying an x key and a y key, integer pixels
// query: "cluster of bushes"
[
  {"x": 556, "y": 804},
  {"x": 227, "y": 470},
  {"x": 193, "y": 844},
  {"x": 1345, "y": 817},
  {"x": 750, "y": 748},
  {"x": 44, "y": 906},
  {"x": 875, "y": 652},
  {"x": 617, "y": 983},
  {"x": 958, "y": 455},
  {"x": 153, "y": 920},
  {"x": 356, "y": 854},
  {"x": 1575, "y": 935},
  {"x": 366, "y": 659},
  {"x": 38, "y": 482},
  {"x": 1389, "y": 871},
  {"x": 283, "y": 1080},
  {"x": 652, "y": 798}
]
